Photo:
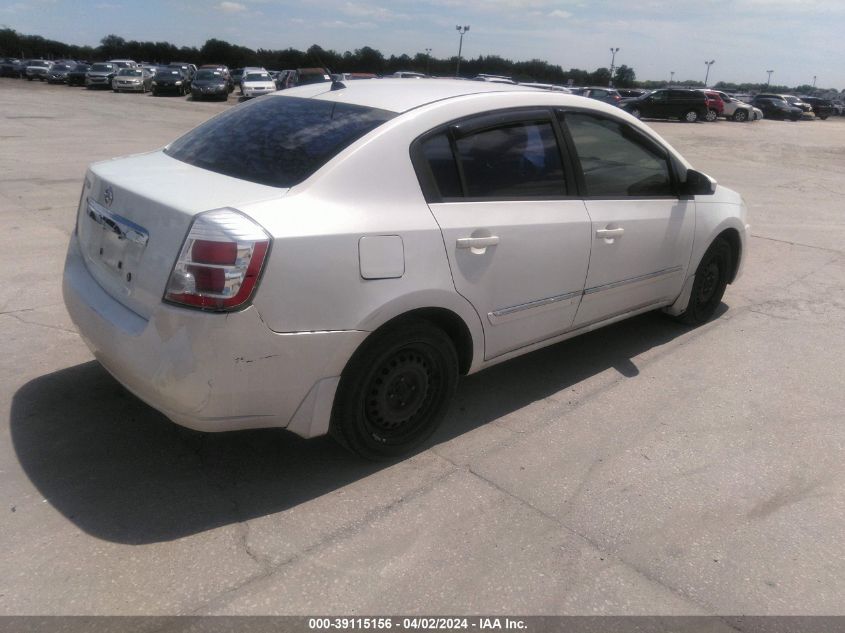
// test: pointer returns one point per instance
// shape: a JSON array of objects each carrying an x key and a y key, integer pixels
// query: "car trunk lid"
[{"x": 134, "y": 214}]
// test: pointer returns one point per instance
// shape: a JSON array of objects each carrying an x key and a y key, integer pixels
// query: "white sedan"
[
  {"x": 255, "y": 84},
  {"x": 374, "y": 241}
]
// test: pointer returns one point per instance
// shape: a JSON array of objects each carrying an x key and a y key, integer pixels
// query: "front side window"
[
  {"x": 290, "y": 138},
  {"x": 616, "y": 160}
]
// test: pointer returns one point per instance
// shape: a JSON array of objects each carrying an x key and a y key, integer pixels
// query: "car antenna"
[{"x": 338, "y": 85}]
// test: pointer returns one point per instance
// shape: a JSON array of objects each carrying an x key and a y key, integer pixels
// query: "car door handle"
[
  {"x": 478, "y": 242},
  {"x": 609, "y": 233}
]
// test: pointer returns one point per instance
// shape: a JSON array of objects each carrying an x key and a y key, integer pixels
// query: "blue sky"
[{"x": 796, "y": 38}]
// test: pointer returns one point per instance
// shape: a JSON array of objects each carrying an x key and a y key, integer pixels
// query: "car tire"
[
  {"x": 711, "y": 279},
  {"x": 635, "y": 112},
  {"x": 712, "y": 115},
  {"x": 691, "y": 116},
  {"x": 741, "y": 115},
  {"x": 395, "y": 390},
  {"x": 823, "y": 118}
]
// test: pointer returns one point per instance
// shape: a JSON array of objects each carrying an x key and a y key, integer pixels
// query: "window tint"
[
  {"x": 289, "y": 138},
  {"x": 513, "y": 161},
  {"x": 438, "y": 155},
  {"x": 615, "y": 160}
]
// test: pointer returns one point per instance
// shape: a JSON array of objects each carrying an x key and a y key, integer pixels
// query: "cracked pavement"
[{"x": 644, "y": 468}]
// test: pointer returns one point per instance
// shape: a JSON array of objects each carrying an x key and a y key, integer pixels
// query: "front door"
[{"x": 641, "y": 230}]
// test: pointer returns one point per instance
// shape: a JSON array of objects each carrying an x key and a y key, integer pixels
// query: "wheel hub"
[
  {"x": 399, "y": 390},
  {"x": 708, "y": 283}
]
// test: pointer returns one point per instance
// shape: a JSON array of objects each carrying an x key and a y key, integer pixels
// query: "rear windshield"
[{"x": 277, "y": 141}]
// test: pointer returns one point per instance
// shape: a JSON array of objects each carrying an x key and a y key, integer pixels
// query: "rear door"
[
  {"x": 517, "y": 239},
  {"x": 641, "y": 231}
]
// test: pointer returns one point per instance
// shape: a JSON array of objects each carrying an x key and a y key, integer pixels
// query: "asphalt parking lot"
[{"x": 645, "y": 468}]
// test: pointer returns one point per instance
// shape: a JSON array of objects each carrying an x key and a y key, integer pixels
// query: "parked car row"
[
  {"x": 216, "y": 81},
  {"x": 210, "y": 81}
]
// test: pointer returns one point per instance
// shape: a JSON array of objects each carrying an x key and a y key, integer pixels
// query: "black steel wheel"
[
  {"x": 395, "y": 391},
  {"x": 711, "y": 279}
]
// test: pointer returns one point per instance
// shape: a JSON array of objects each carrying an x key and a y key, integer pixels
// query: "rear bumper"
[{"x": 206, "y": 371}]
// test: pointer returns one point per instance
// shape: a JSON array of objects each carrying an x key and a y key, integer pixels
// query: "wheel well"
[
  {"x": 451, "y": 324},
  {"x": 731, "y": 236}
]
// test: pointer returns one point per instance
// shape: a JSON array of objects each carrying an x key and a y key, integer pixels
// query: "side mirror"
[{"x": 698, "y": 184}]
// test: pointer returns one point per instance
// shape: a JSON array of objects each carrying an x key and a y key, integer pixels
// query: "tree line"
[{"x": 365, "y": 59}]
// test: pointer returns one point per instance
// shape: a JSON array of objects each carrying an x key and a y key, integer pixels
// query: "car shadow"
[{"x": 122, "y": 472}]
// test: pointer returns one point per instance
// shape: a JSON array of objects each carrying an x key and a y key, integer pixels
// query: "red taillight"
[
  {"x": 220, "y": 262},
  {"x": 214, "y": 252}
]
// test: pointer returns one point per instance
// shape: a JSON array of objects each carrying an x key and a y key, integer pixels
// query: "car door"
[
  {"x": 642, "y": 231},
  {"x": 656, "y": 104},
  {"x": 516, "y": 236}
]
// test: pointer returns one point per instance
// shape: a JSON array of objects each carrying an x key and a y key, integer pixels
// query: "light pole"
[
  {"x": 814, "y": 84},
  {"x": 428, "y": 61},
  {"x": 613, "y": 52},
  {"x": 769, "y": 80},
  {"x": 461, "y": 30},
  {"x": 707, "y": 76},
  {"x": 671, "y": 77}
]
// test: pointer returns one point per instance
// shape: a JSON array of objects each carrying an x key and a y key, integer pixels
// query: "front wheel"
[
  {"x": 395, "y": 391},
  {"x": 711, "y": 279},
  {"x": 691, "y": 116},
  {"x": 740, "y": 115}
]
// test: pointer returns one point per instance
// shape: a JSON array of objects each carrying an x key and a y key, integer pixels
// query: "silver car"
[{"x": 132, "y": 80}]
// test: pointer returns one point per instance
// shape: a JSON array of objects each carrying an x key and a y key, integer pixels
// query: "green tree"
[{"x": 625, "y": 77}]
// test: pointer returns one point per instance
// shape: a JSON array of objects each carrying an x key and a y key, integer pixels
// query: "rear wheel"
[
  {"x": 635, "y": 112},
  {"x": 712, "y": 115},
  {"x": 691, "y": 116},
  {"x": 711, "y": 279},
  {"x": 395, "y": 391}
]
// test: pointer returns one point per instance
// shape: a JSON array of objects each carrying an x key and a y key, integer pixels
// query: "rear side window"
[
  {"x": 276, "y": 141},
  {"x": 616, "y": 160},
  {"x": 514, "y": 161},
  {"x": 519, "y": 160}
]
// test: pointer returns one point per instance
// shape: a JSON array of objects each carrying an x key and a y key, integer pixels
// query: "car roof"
[{"x": 398, "y": 95}]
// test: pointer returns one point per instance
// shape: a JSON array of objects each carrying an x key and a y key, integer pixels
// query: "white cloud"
[
  {"x": 560, "y": 13},
  {"x": 231, "y": 7},
  {"x": 373, "y": 12}
]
